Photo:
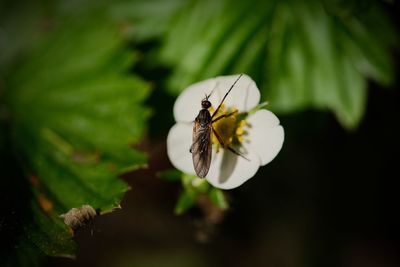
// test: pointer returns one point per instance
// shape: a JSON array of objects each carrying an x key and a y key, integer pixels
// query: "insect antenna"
[
  {"x": 223, "y": 99},
  {"x": 212, "y": 91}
]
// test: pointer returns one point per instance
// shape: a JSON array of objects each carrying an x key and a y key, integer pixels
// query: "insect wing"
[{"x": 201, "y": 148}]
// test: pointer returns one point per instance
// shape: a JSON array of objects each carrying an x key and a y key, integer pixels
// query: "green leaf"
[
  {"x": 145, "y": 20},
  {"x": 194, "y": 183},
  {"x": 218, "y": 198},
  {"x": 193, "y": 188},
  {"x": 49, "y": 234},
  {"x": 171, "y": 175},
  {"x": 302, "y": 54},
  {"x": 185, "y": 201},
  {"x": 76, "y": 114}
]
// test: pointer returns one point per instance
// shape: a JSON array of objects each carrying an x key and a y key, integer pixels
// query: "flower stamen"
[{"x": 230, "y": 129}]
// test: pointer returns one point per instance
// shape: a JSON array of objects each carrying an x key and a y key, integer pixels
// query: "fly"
[{"x": 202, "y": 129}]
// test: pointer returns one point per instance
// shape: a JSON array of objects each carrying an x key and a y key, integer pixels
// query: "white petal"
[
  {"x": 228, "y": 170},
  {"x": 244, "y": 96},
  {"x": 188, "y": 103},
  {"x": 179, "y": 141},
  {"x": 265, "y": 135}
]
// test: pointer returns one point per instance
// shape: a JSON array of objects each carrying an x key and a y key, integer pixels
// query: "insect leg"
[
  {"x": 223, "y": 99},
  {"x": 228, "y": 147},
  {"x": 218, "y": 137},
  {"x": 224, "y": 116},
  {"x": 237, "y": 153}
]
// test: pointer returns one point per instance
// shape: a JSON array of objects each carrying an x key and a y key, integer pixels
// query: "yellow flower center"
[{"x": 230, "y": 129}]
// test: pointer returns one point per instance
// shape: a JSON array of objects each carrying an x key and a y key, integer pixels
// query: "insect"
[
  {"x": 202, "y": 129},
  {"x": 77, "y": 217}
]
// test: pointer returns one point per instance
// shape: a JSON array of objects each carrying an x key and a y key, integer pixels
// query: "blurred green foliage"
[
  {"x": 74, "y": 113},
  {"x": 302, "y": 54},
  {"x": 194, "y": 187}
]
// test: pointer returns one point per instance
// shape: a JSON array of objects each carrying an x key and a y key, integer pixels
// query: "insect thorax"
[{"x": 204, "y": 117}]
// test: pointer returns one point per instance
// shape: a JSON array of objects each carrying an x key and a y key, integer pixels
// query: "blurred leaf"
[
  {"x": 302, "y": 54},
  {"x": 185, "y": 201},
  {"x": 2, "y": 138},
  {"x": 193, "y": 189},
  {"x": 20, "y": 30},
  {"x": 76, "y": 114},
  {"x": 194, "y": 183},
  {"x": 218, "y": 198},
  {"x": 170, "y": 175},
  {"x": 144, "y": 20},
  {"x": 52, "y": 236}
]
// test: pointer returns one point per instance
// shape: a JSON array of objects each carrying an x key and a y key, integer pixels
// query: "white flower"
[{"x": 255, "y": 133}]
